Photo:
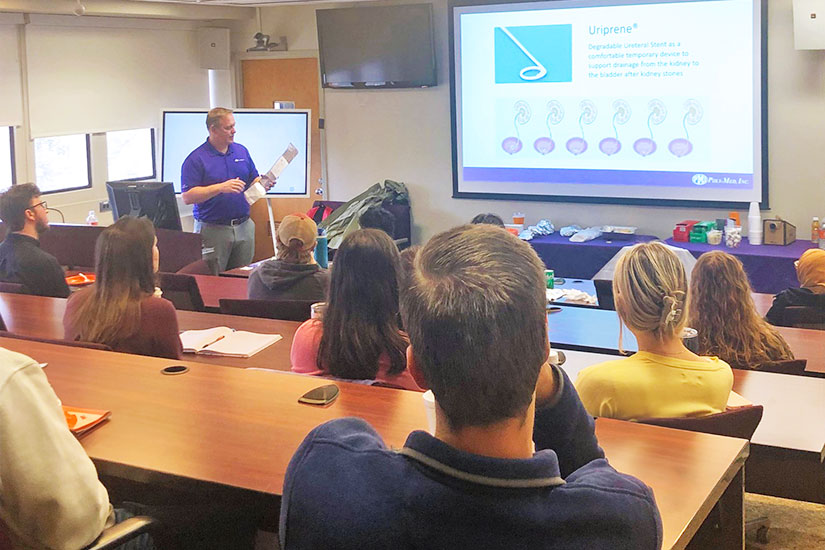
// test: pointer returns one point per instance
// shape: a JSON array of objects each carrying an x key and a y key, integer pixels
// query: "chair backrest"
[
  {"x": 739, "y": 422},
  {"x": 803, "y": 317},
  {"x": 182, "y": 290},
  {"x": 70, "y": 343},
  {"x": 789, "y": 366},
  {"x": 604, "y": 293},
  {"x": 286, "y": 310},
  {"x": 11, "y": 288}
]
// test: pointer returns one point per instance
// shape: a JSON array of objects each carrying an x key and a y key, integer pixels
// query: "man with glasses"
[{"x": 21, "y": 258}]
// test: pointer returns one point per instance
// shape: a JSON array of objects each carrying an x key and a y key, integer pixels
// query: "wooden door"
[{"x": 288, "y": 79}]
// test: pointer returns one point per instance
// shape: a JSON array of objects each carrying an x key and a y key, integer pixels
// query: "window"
[
  {"x": 6, "y": 157},
  {"x": 62, "y": 163},
  {"x": 131, "y": 154}
]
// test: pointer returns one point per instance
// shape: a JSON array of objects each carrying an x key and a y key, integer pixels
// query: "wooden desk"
[
  {"x": 42, "y": 317},
  {"x": 239, "y": 428},
  {"x": 213, "y": 288},
  {"x": 788, "y": 447},
  {"x": 597, "y": 330}
]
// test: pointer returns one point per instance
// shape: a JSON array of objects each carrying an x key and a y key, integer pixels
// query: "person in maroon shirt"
[{"x": 122, "y": 309}]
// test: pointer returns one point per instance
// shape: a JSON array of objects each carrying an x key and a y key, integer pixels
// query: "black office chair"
[
  {"x": 794, "y": 367},
  {"x": 604, "y": 293},
  {"x": 803, "y": 317},
  {"x": 285, "y": 310},
  {"x": 182, "y": 290},
  {"x": 12, "y": 288}
]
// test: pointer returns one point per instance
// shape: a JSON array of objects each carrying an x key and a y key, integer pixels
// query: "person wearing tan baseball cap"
[{"x": 293, "y": 274}]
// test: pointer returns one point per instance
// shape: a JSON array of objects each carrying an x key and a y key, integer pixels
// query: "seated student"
[
  {"x": 378, "y": 217},
  {"x": 360, "y": 337},
  {"x": 810, "y": 270},
  {"x": 664, "y": 379},
  {"x": 514, "y": 462},
  {"x": 492, "y": 219},
  {"x": 293, "y": 274},
  {"x": 722, "y": 311},
  {"x": 121, "y": 309},
  {"x": 51, "y": 496},
  {"x": 21, "y": 259}
]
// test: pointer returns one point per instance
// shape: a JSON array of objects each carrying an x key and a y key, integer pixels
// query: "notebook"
[
  {"x": 81, "y": 421},
  {"x": 226, "y": 342}
]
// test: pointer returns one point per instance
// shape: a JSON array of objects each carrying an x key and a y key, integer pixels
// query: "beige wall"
[{"x": 405, "y": 135}]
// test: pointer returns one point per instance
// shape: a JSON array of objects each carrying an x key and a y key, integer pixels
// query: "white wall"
[
  {"x": 405, "y": 135},
  {"x": 58, "y": 58}
]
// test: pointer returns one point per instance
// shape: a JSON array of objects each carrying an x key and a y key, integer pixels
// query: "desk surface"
[
  {"x": 42, "y": 317},
  {"x": 239, "y": 428},
  {"x": 597, "y": 330},
  {"x": 213, "y": 288}
]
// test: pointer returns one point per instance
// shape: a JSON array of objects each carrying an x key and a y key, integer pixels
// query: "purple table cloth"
[
  {"x": 769, "y": 267},
  {"x": 579, "y": 260}
]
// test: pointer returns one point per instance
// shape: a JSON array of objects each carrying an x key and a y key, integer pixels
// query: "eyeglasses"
[{"x": 41, "y": 203}]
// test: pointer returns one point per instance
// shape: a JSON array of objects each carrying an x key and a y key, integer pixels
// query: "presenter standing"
[{"x": 213, "y": 178}]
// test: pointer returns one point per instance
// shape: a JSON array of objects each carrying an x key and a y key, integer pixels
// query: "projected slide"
[
  {"x": 266, "y": 134},
  {"x": 637, "y": 100}
]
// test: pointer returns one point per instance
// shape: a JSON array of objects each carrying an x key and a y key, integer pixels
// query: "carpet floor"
[{"x": 795, "y": 525}]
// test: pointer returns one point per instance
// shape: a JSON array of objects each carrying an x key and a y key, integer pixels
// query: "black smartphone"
[
  {"x": 553, "y": 309},
  {"x": 321, "y": 395}
]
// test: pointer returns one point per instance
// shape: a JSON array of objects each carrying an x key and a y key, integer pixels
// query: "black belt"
[{"x": 232, "y": 223}]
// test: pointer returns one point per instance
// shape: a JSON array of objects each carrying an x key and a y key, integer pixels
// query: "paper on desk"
[{"x": 735, "y": 400}]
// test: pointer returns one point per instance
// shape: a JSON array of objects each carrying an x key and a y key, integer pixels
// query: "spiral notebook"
[{"x": 226, "y": 342}]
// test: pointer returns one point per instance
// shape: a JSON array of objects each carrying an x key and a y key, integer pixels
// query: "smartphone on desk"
[{"x": 322, "y": 395}]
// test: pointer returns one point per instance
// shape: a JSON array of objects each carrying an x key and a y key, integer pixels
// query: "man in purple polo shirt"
[{"x": 213, "y": 178}]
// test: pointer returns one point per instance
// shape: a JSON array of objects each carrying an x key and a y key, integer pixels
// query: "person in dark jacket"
[
  {"x": 21, "y": 258},
  {"x": 514, "y": 462},
  {"x": 293, "y": 274},
  {"x": 810, "y": 270}
]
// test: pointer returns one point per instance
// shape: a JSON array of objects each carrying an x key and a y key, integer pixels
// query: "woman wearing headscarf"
[{"x": 810, "y": 270}]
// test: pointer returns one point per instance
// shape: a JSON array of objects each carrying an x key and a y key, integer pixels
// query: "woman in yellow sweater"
[{"x": 664, "y": 379}]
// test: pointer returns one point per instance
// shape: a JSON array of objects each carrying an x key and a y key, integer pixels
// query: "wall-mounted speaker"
[{"x": 213, "y": 47}]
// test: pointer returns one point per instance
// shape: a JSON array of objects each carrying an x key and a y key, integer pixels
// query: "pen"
[{"x": 218, "y": 339}]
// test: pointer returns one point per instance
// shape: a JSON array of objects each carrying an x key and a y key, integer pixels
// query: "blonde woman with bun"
[{"x": 664, "y": 379}]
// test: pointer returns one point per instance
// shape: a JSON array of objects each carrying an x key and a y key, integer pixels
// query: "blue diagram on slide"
[{"x": 542, "y": 53}]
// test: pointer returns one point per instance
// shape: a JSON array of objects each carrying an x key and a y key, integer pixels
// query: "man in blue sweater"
[{"x": 475, "y": 314}]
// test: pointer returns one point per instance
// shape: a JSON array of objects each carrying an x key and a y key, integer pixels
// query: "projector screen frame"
[
  {"x": 764, "y": 203},
  {"x": 270, "y": 194}
]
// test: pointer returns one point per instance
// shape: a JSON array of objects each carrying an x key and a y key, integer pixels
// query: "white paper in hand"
[{"x": 281, "y": 164}]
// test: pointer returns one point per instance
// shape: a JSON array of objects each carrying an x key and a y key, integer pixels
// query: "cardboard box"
[{"x": 778, "y": 231}]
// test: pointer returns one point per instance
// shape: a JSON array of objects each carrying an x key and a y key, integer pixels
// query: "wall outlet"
[{"x": 104, "y": 206}]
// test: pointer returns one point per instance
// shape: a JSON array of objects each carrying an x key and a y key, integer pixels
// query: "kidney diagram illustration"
[{"x": 576, "y": 145}]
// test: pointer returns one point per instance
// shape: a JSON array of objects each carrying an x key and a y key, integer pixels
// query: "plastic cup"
[
  {"x": 429, "y": 407},
  {"x": 518, "y": 218},
  {"x": 317, "y": 310}
]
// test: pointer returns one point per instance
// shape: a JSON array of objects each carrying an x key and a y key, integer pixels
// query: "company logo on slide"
[
  {"x": 699, "y": 179},
  {"x": 542, "y": 53}
]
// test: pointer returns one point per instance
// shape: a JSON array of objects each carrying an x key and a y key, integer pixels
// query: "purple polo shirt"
[{"x": 206, "y": 166}]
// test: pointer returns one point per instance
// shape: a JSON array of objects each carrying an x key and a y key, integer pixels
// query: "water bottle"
[
  {"x": 91, "y": 219},
  {"x": 321, "y": 252},
  {"x": 815, "y": 230}
]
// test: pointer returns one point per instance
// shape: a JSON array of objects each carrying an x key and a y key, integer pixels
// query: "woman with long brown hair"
[
  {"x": 722, "y": 311},
  {"x": 360, "y": 337},
  {"x": 120, "y": 309},
  {"x": 664, "y": 379}
]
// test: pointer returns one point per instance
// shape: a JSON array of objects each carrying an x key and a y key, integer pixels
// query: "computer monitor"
[{"x": 152, "y": 199}]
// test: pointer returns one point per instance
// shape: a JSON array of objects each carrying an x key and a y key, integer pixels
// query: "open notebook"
[{"x": 226, "y": 342}]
